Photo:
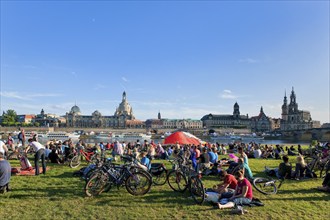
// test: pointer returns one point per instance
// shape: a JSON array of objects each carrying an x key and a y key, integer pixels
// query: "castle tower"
[
  {"x": 236, "y": 113},
  {"x": 159, "y": 116}
]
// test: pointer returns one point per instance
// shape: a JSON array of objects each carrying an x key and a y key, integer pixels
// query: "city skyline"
[{"x": 184, "y": 59}]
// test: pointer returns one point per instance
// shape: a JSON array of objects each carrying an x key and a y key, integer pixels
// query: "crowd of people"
[{"x": 204, "y": 158}]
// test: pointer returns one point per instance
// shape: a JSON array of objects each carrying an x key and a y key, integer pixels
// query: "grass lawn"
[{"x": 59, "y": 195}]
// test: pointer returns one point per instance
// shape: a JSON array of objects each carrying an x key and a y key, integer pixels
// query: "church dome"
[
  {"x": 124, "y": 108},
  {"x": 75, "y": 110}
]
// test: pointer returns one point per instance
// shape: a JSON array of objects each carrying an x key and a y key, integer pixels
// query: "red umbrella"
[{"x": 182, "y": 137}]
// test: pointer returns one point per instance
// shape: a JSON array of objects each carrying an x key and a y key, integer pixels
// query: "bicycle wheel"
[
  {"x": 264, "y": 185},
  {"x": 75, "y": 161},
  {"x": 177, "y": 181},
  {"x": 160, "y": 179},
  {"x": 197, "y": 190},
  {"x": 310, "y": 162},
  {"x": 325, "y": 169},
  {"x": 96, "y": 184},
  {"x": 94, "y": 158},
  {"x": 138, "y": 183},
  {"x": 90, "y": 173}
]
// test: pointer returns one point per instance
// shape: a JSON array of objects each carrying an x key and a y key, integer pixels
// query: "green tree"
[{"x": 9, "y": 117}]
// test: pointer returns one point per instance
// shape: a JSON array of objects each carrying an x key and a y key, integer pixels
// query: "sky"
[{"x": 184, "y": 59}]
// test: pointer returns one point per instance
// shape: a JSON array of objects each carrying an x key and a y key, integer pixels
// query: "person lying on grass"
[{"x": 243, "y": 193}]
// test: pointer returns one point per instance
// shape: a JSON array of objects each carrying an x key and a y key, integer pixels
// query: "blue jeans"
[
  {"x": 241, "y": 201},
  {"x": 40, "y": 154}
]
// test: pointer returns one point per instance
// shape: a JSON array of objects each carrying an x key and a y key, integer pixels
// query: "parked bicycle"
[
  {"x": 316, "y": 163},
  {"x": 90, "y": 157},
  {"x": 183, "y": 177},
  {"x": 264, "y": 185},
  {"x": 109, "y": 175}
]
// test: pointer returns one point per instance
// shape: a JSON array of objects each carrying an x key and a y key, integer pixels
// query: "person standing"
[
  {"x": 21, "y": 137},
  {"x": 5, "y": 173},
  {"x": 40, "y": 154}
]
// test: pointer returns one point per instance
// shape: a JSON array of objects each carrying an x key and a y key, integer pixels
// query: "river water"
[{"x": 258, "y": 141}]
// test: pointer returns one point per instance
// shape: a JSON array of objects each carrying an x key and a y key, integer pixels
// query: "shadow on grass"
[{"x": 308, "y": 195}]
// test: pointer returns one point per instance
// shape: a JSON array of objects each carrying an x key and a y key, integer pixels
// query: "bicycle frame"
[{"x": 86, "y": 155}]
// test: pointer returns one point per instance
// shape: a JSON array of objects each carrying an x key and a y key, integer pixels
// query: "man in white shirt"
[
  {"x": 3, "y": 147},
  {"x": 40, "y": 154}
]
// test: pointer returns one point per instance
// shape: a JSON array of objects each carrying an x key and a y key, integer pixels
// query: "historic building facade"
[
  {"x": 262, "y": 123},
  {"x": 236, "y": 120},
  {"x": 160, "y": 123},
  {"x": 122, "y": 118},
  {"x": 292, "y": 117},
  {"x": 47, "y": 119}
]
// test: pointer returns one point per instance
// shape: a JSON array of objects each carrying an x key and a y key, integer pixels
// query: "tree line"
[{"x": 10, "y": 118}]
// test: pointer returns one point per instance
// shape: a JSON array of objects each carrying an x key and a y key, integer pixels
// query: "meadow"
[{"x": 59, "y": 195}]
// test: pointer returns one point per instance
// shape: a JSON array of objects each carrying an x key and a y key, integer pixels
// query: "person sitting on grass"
[
  {"x": 204, "y": 161},
  {"x": 227, "y": 188},
  {"x": 246, "y": 169},
  {"x": 53, "y": 156},
  {"x": 243, "y": 193},
  {"x": 301, "y": 168},
  {"x": 145, "y": 161},
  {"x": 284, "y": 169},
  {"x": 5, "y": 173}
]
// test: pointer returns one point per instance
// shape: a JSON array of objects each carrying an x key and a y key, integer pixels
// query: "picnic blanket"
[{"x": 31, "y": 172}]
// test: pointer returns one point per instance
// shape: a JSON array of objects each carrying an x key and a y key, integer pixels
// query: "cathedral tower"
[{"x": 285, "y": 108}]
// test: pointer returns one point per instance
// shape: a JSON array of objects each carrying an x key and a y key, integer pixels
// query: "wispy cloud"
[
  {"x": 248, "y": 60},
  {"x": 13, "y": 95},
  {"x": 16, "y": 95},
  {"x": 227, "y": 94},
  {"x": 124, "y": 79},
  {"x": 44, "y": 95}
]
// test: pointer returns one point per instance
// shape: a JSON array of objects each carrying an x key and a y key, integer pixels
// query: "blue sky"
[{"x": 182, "y": 58}]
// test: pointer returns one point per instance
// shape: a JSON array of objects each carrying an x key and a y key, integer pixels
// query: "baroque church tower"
[
  {"x": 293, "y": 106},
  {"x": 292, "y": 117},
  {"x": 285, "y": 108}
]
